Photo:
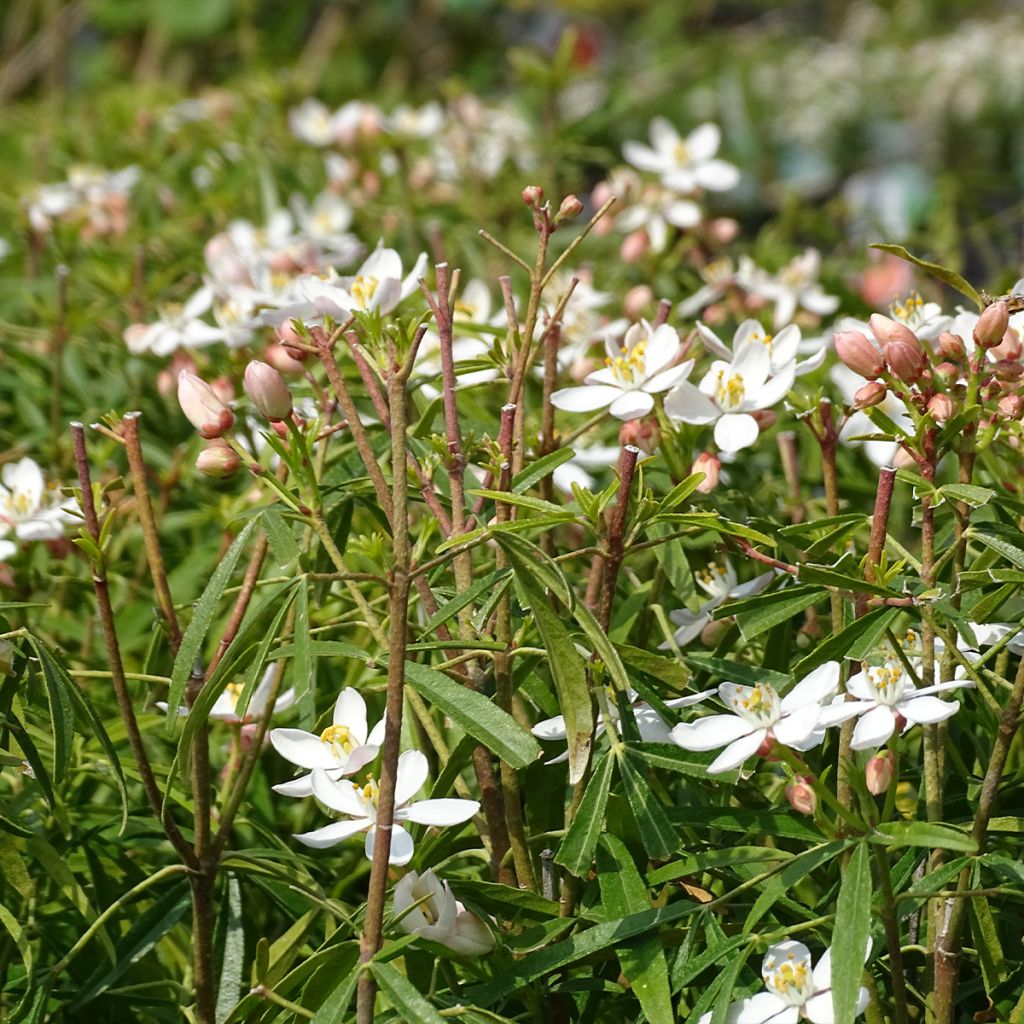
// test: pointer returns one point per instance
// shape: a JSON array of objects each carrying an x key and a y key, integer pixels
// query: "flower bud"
[
  {"x": 645, "y": 434},
  {"x": 533, "y": 196},
  {"x": 724, "y": 230},
  {"x": 219, "y": 461},
  {"x": 1008, "y": 369},
  {"x": 992, "y": 324},
  {"x": 858, "y": 353},
  {"x": 201, "y": 406},
  {"x": 906, "y": 359},
  {"x": 766, "y": 418},
  {"x": 801, "y": 796},
  {"x": 1010, "y": 407},
  {"x": 952, "y": 346},
  {"x": 871, "y": 394},
  {"x": 569, "y": 208},
  {"x": 879, "y": 772},
  {"x": 941, "y": 408},
  {"x": 634, "y": 245},
  {"x": 714, "y": 632},
  {"x": 947, "y": 373},
  {"x": 1009, "y": 348},
  {"x": 224, "y": 389},
  {"x": 711, "y": 466},
  {"x": 888, "y": 330},
  {"x": 282, "y": 358},
  {"x": 637, "y": 301},
  {"x": 267, "y": 390}
]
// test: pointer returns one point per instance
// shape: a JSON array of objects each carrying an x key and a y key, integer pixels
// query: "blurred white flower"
[
  {"x": 796, "y": 286},
  {"x": 721, "y": 584},
  {"x": 425, "y": 906},
  {"x": 683, "y": 164},
  {"x": 225, "y": 707},
  {"x": 782, "y": 347},
  {"x": 29, "y": 507}
]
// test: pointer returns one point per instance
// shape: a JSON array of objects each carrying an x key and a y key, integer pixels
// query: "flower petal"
[
  {"x": 441, "y": 812},
  {"x": 737, "y": 752},
  {"x": 350, "y": 711},
  {"x": 298, "y": 788},
  {"x": 797, "y": 726},
  {"x": 631, "y": 405},
  {"x": 684, "y": 402},
  {"x": 402, "y": 846},
  {"x": 550, "y": 728},
  {"x": 340, "y": 795},
  {"x": 814, "y": 688},
  {"x": 331, "y": 834},
  {"x": 926, "y": 710},
  {"x": 585, "y": 398},
  {"x": 412, "y": 773},
  {"x": 303, "y": 748},
  {"x": 873, "y": 728},
  {"x": 735, "y": 431},
  {"x": 711, "y": 732}
]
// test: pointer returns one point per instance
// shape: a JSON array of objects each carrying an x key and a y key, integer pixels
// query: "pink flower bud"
[
  {"x": 723, "y": 230},
  {"x": 713, "y": 633},
  {"x": 871, "y": 394},
  {"x": 952, "y": 346},
  {"x": 201, "y": 406},
  {"x": 888, "y": 330},
  {"x": 283, "y": 358},
  {"x": 1010, "y": 407},
  {"x": 858, "y": 353},
  {"x": 1009, "y": 348},
  {"x": 645, "y": 434},
  {"x": 268, "y": 391},
  {"x": 634, "y": 245},
  {"x": 218, "y": 461},
  {"x": 947, "y": 373},
  {"x": 533, "y": 196},
  {"x": 766, "y": 418},
  {"x": 637, "y": 301},
  {"x": 941, "y": 408},
  {"x": 1008, "y": 369},
  {"x": 992, "y": 324},
  {"x": 879, "y": 772},
  {"x": 224, "y": 389},
  {"x": 711, "y": 466},
  {"x": 906, "y": 359},
  {"x": 569, "y": 208},
  {"x": 801, "y": 796}
]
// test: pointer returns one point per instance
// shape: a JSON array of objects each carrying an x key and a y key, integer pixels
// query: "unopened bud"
[
  {"x": 879, "y": 772},
  {"x": 533, "y": 196},
  {"x": 992, "y": 324},
  {"x": 766, "y": 418},
  {"x": 218, "y": 461},
  {"x": 906, "y": 359},
  {"x": 871, "y": 394},
  {"x": 886, "y": 330},
  {"x": 1010, "y": 407},
  {"x": 1009, "y": 348},
  {"x": 801, "y": 796},
  {"x": 711, "y": 466},
  {"x": 714, "y": 632},
  {"x": 859, "y": 353},
  {"x": 724, "y": 230},
  {"x": 637, "y": 301},
  {"x": 941, "y": 408},
  {"x": 952, "y": 346},
  {"x": 201, "y": 406},
  {"x": 282, "y": 358},
  {"x": 267, "y": 391},
  {"x": 947, "y": 373},
  {"x": 634, "y": 245},
  {"x": 645, "y": 434},
  {"x": 1008, "y": 369},
  {"x": 569, "y": 208}
]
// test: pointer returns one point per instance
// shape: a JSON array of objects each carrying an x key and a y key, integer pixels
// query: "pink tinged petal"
[
  {"x": 632, "y": 405},
  {"x": 926, "y": 710},
  {"x": 402, "y": 846},
  {"x": 713, "y": 343},
  {"x": 668, "y": 378},
  {"x": 642, "y": 157},
  {"x": 711, "y": 732},
  {"x": 303, "y": 748},
  {"x": 820, "y": 684},
  {"x": 703, "y": 142},
  {"x": 350, "y": 711},
  {"x": 412, "y": 773},
  {"x": 342, "y": 796},
  {"x": 737, "y": 752},
  {"x": 689, "y": 405},
  {"x": 441, "y": 812},
  {"x": 796, "y": 727},
  {"x": 360, "y": 757},
  {"x": 331, "y": 834},
  {"x": 873, "y": 728},
  {"x": 550, "y": 728},
  {"x": 585, "y": 399},
  {"x": 297, "y": 788},
  {"x": 735, "y": 431}
]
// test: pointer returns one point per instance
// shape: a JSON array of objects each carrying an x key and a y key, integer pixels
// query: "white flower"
[
  {"x": 425, "y": 906},
  {"x": 719, "y": 276},
  {"x": 649, "y": 723},
  {"x": 782, "y": 347},
  {"x": 796, "y": 286},
  {"x": 325, "y": 222},
  {"x": 313, "y": 123},
  {"x": 359, "y": 803},
  {"x": 886, "y": 698},
  {"x": 344, "y": 747},
  {"x": 761, "y": 716},
  {"x": 795, "y": 990},
  {"x": 28, "y": 506},
  {"x": 424, "y": 122},
  {"x": 654, "y": 210},
  {"x": 859, "y": 424},
  {"x": 683, "y": 164},
  {"x": 729, "y": 393},
  {"x": 179, "y": 326},
  {"x": 720, "y": 583},
  {"x": 632, "y": 374},
  {"x": 225, "y": 707}
]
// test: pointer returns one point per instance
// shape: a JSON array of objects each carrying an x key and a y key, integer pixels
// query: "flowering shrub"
[{"x": 612, "y": 615}]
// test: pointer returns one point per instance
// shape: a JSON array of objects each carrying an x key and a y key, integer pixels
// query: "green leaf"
[
  {"x": 826, "y": 576},
  {"x": 680, "y": 492},
  {"x": 576, "y": 851},
  {"x": 202, "y": 618},
  {"x": 484, "y": 585},
  {"x": 656, "y": 832},
  {"x": 536, "y": 471},
  {"x": 850, "y": 935},
  {"x": 665, "y": 670},
  {"x": 895, "y": 834},
  {"x": 713, "y": 521},
  {"x": 674, "y": 759},
  {"x": 760, "y": 613},
  {"x": 17, "y": 934},
  {"x": 525, "y": 501},
  {"x": 545, "y": 570},
  {"x": 857, "y": 640},
  {"x": 720, "y": 1012},
  {"x": 233, "y": 959},
  {"x": 602, "y": 646},
  {"x": 936, "y": 270},
  {"x": 567, "y": 669},
  {"x": 279, "y": 536},
  {"x": 736, "y": 671},
  {"x": 1011, "y": 552},
  {"x": 62, "y": 716},
  {"x": 970, "y": 494},
  {"x": 412, "y": 1007}
]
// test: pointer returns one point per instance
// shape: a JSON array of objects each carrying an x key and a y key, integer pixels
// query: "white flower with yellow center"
[
  {"x": 760, "y": 716},
  {"x": 782, "y": 347},
  {"x": 29, "y": 507},
  {"x": 633, "y": 373},
  {"x": 425, "y": 906},
  {"x": 225, "y": 708},
  {"x": 795, "y": 989},
  {"x": 684, "y": 165},
  {"x": 796, "y": 286},
  {"x": 729, "y": 393},
  {"x": 313, "y": 123},
  {"x": 179, "y": 326},
  {"x": 359, "y": 804},
  {"x": 344, "y": 747},
  {"x": 925, "y": 319}
]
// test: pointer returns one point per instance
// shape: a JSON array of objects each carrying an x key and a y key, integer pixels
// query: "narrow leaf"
[{"x": 850, "y": 935}]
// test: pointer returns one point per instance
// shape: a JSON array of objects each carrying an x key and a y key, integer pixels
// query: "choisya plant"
[{"x": 807, "y": 771}]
